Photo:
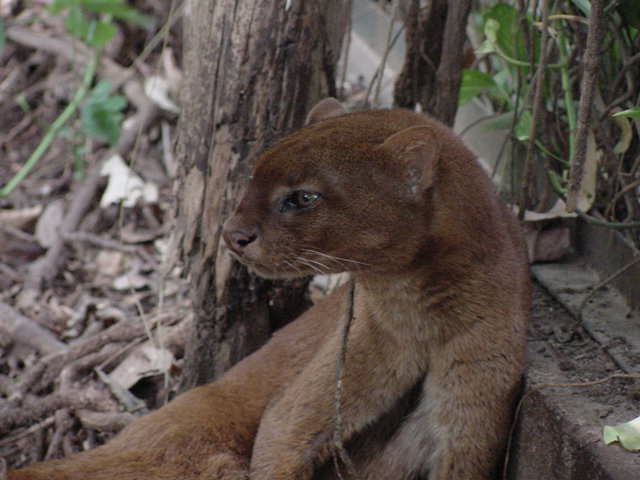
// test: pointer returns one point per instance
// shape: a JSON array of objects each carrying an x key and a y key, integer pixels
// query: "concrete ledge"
[
  {"x": 552, "y": 445},
  {"x": 558, "y": 433}
]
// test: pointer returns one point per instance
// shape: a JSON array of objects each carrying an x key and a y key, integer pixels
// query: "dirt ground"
[
  {"x": 93, "y": 319},
  {"x": 81, "y": 407},
  {"x": 556, "y": 335}
]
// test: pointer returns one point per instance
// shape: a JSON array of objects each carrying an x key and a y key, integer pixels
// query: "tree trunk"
[
  {"x": 434, "y": 57},
  {"x": 253, "y": 69}
]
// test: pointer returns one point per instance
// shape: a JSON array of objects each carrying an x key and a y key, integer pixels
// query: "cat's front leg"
[{"x": 296, "y": 432}]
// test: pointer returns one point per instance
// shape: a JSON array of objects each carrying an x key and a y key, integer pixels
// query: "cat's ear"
[
  {"x": 325, "y": 109},
  {"x": 418, "y": 148}
]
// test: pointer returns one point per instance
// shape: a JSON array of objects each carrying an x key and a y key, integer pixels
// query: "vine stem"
[
  {"x": 527, "y": 176},
  {"x": 337, "y": 432},
  {"x": 55, "y": 127}
]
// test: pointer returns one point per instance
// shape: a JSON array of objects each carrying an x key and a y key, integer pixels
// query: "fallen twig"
[
  {"x": 337, "y": 432},
  {"x": 108, "y": 243},
  {"x": 49, "y": 368},
  {"x": 25, "y": 331},
  {"x": 104, "y": 421},
  {"x": 604, "y": 282},
  {"x": 25, "y": 433},
  {"x": 46, "y": 268},
  {"x": 33, "y": 408},
  {"x": 63, "y": 423}
]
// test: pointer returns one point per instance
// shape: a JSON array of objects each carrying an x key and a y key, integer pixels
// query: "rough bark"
[
  {"x": 253, "y": 69},
  {"x": 434, "y": 57}
]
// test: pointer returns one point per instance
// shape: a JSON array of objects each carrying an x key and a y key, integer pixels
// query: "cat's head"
[{"x": 348, "y": 192}]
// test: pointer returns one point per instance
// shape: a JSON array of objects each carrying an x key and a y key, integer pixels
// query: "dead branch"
[
  {"x": 31, "y": 411},
  {"x": 47, "y": 422},
  {"x": 47, "y": 267},
  {"x": 587, "y": 89},
  {"x": 34, "y": 408},
  {"x": 449, "y": 74},
  {"x": 63, "y": 423},
  {"x": 105, "y": 421},
  {"x": 107, "y": 243},
  {"x": 24, "y": 330},
  {"x": 68, "y": 48},
  {"x": 49, "y": 368}
]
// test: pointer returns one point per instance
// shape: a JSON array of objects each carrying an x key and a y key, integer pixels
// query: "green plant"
[
  {"x": 91, "y": 21},
  {"x": 510, "y": 66}
]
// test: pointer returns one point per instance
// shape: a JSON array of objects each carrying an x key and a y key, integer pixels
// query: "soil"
[{"x": 102, "y": 339}]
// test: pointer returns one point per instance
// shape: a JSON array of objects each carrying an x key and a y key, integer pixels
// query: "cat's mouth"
[{"x": 264, "y": 271}]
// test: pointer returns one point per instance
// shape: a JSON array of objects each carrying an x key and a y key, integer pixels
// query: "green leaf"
[
  {"x": 500, "y": 122},
  {"x": 101, "y": 34},
  {"x": 3, "y": 36},
  {"x": 501, "y": 22},
  {"x": 76, "y": 23},
  {"x": 101, "y": 114},
  {"x": 628, "y": 434},
  {"x": 118, "y": 9},
  {"x": 632, "y": 112},
  {"x": 585, "y": 6},
  {"x": 523, "y": 126},
  {"x": 626, "y": 134},
  {"x": 556, "y": 182},
  {"x": 59, "y": 5},
  {"x": 474, "y": 82}
]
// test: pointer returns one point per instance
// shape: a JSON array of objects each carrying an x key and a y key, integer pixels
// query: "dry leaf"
[
  {"x": 49, "y": 223},
  {"x": 587, "y": 192},
  {"x": 131, "y": 280},
  {"x": 144, "y": 361},
  {"x": 109, "y": 262},
  {"x": 157, "y": 89},
  {"x": 547, "y": 240},
  {"x": 20, "y": 218},
  {"x": 125, "y": 185}
]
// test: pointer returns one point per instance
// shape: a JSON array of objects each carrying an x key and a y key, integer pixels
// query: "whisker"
[
  {"x": 310, "y": 265},
  {"x": 291, "y": 265},
  {"x": 316, "y": 262},
  {"x": 333, "y": 257}
]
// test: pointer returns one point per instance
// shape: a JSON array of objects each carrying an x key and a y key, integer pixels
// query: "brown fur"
[{"x": 441, "y": 302}]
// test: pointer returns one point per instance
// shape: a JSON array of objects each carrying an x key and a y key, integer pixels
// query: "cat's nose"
[{"x": 238, "y": 239}]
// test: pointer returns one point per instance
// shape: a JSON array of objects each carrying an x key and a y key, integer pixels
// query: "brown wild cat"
[{"x": 436, "y": 345}]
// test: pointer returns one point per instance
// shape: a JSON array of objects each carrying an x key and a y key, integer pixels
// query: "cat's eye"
[{"x": 298, "y": 200}]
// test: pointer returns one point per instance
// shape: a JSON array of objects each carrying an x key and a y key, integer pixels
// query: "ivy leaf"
[
  {"x": 474, "y": 82},
  {"x": 76, "y": 23},
  {"x": 501, "y": 28},
  {"x": 632, "y": 112},
  {"x": 523, "y": 126},
  {"x": 101, "y": 115},
  {"x": 101, "y": 34},
  {"x": 628, "y": 434}
]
